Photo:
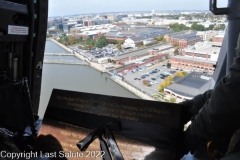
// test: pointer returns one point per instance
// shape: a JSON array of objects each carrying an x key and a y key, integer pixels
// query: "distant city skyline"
[{"x": 72, "y": 7}]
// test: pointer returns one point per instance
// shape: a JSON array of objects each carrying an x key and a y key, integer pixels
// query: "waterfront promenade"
[{"x": 131, "y": 88}]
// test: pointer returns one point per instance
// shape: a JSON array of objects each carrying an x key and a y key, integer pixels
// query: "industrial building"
[
  {"x": 202, "y": 57},
  {"x": 185, "y": 88}
]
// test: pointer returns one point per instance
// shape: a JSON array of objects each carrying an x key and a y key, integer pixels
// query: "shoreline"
[{"x": 98, "y": 67}]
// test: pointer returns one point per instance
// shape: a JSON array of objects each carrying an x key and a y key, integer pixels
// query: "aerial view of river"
[{"x": 82, "y": 78}]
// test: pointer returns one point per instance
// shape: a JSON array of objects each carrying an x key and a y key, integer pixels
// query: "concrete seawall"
[
  {"x": 61, "y": 45},
  {"x": 131, "y": 89}
]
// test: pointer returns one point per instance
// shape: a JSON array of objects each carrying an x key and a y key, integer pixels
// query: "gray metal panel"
[
  {"x": 13, "y": 6},
  {"x": 220, "y": 69}
]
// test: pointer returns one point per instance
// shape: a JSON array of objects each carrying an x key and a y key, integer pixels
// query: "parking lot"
[
  {"x": 94, "y": 55},
  {"x": 152, "y": 75}
]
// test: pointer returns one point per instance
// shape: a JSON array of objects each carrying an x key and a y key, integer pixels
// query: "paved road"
[{"x": 129, "y": 77}]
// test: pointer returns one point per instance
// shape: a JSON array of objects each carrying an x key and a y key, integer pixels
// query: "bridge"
[
  {"x": 112, "y": 72},
  {"x": 54, "y": 61},
  {"x": 58, "y": 54}
]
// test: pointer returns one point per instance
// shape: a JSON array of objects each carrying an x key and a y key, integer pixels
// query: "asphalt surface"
[{"x": 153, "y": 89}]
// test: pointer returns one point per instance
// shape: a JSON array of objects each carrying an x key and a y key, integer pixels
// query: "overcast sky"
[{"x": 70, "y": 7}]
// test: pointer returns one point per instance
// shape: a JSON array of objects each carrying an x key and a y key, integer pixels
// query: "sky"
[{"x": 71, "y": 7}]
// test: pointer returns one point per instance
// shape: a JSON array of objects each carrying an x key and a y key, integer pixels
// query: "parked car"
[{"x": 163, "y": 75}]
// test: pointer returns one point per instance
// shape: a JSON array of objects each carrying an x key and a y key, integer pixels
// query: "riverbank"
[
  {"x": 101, "y": 68},
  {"x": 61, "y": 45}
]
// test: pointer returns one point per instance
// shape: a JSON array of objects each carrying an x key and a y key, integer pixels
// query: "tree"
[
  {"x": 210, "y": 27},
  {"x": 146, "y": 83},
  {"x": 160, "y": 88},
  {"x": 161, "y": 38},
  {"x": 176, "y": 52},
  {"x": 168, "y": 65},
  {"x": 175, "y": 45},
  {"x": 180, "y": 74},
  {"x": 119, "y": 44},
  {"x": 220, "y": 27},
  {"x": 66, "y": 38},
  {"x": 178, "y": 27},
  {"x": 197, "y": 27},
  {"x": 80, "y": 39},
  {"x": 172, "y": 100},
  {"x": 184, "y": 73},
  {"x": 85, "y": 47},
  {"x": 102, "y": 41}
]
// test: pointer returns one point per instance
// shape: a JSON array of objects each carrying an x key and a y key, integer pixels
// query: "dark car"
[
  {"x": 143, "y": 77},
  {"x": 154, "y": 79}
]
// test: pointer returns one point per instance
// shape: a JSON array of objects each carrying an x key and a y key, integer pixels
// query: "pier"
[
  {"x": 58, "y": 54},
  {"x": 54, "y": 61}
]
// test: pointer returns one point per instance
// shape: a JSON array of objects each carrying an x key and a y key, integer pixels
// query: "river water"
[{"x": 75, "y": 78}]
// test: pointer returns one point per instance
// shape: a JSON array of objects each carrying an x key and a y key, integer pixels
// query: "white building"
[
  {"x": 207, "y": 35},
  {"x": 129, "y": 43}
]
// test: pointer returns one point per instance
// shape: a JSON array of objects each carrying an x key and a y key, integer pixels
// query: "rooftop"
[
  {"x": 190, "y": 85},
  {"x": 177, "y": 33},
  {"x": 211, "y": 48},
  {"x": 189, "y": 37},
  {"x": 198, "y": 59},
  {"x": 147, "y": 36},
  {"x": 136, "y": 53}
]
